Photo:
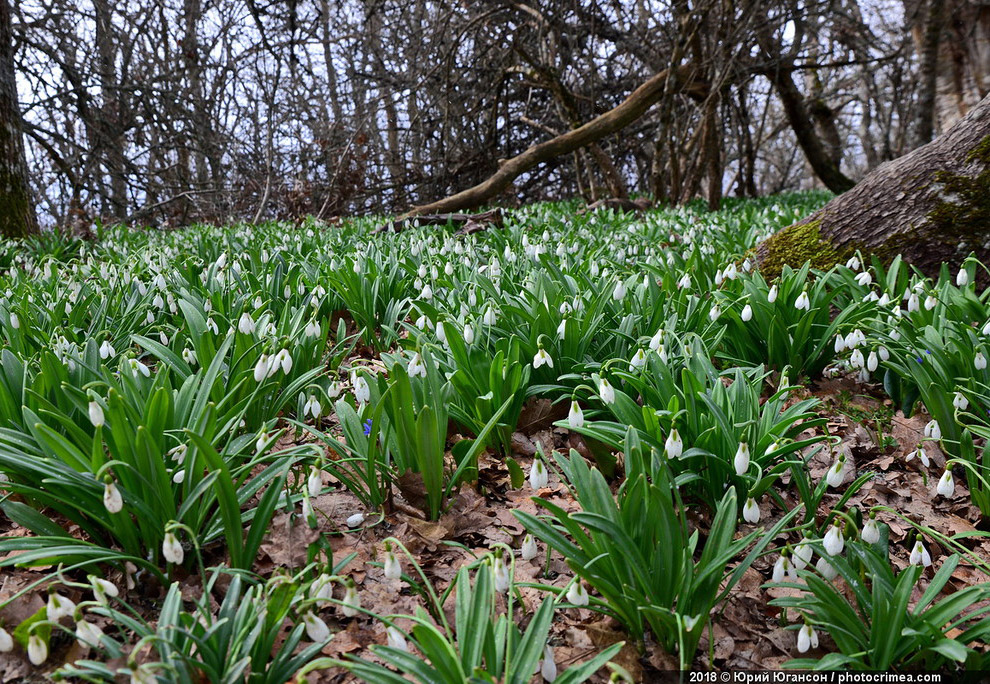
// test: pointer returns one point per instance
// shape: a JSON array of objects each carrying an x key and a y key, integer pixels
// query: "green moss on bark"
[
  {"x": 965, "y": 211},
  {"x": 796, "y": 244}
]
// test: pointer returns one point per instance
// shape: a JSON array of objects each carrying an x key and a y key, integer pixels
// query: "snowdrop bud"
[
  {"x": 395, "y": 637},
  {"x": 314, "y": 482},
  {"x": 826, "y": 569},
  {"x": 575, "y": 418},
  {"x": 261, "y": 368},
  {"x": 834, "y": 540},
  {"x": 872, "y": 362},
  {"x": 321, "y": 590},
  {"x": 772, "y": 294},
  {"x": 577, "y": 594},
  {"x": 714, "y": 313},
  {"x": 6, "y": 641},
  {"x": 718, "y": 277},
  {"x": 946, "y": 486},
  {"x": 803, "y": 302},
  {"x": 88, "y": 634},
  {"x": 501, "y": 575},
  {"x": 980, "y": 362},
  {"x": 528, "y": 550},
  {"x": 741, "y": 460},
  {"x": 542, "y": 358},
  {"x": 107, "y": 350},
  {"x": 96, "y": 414},
  {"x": 351, "y": 600},
  {"x": 751, "y": 511},
  {"x": 538, "y": 476},
  {"x": 549, "y": 667},
  {"x": 15, "y": 322},
  {"x": 619, "y": 292},
  {"x": 172, "y": 549},
  {"x": 37, "y": 650},
  {"x": 962, "y": 278},
  {"x": 747, "y": 313},
  {"x": 316, "y": 629},
  {"x": 674, "y": 447},
  {"x": 112, "y": 500},
  {"x": 840, "y": 344},
  {"x": 883, "y": 353},
  {"x": 871, "y": 531},
  {"x": 920, "y": 555},
  {"x": 355, "y": 520},
  {"x": 807, "y": 639},
  {"x": 606, "y": 391},
  {"x": 392, "y": 567},
  {"x": 468, "y": 334}
]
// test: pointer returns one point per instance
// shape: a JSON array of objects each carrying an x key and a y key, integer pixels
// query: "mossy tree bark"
[
  {"x": 17, "y": 217},
  {"x": 932, "y": 206}
]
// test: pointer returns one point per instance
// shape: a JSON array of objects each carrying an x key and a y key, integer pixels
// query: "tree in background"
[{"x": 17, "y": 217}]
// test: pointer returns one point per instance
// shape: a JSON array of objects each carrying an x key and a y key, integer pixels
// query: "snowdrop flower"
[
  {"x": 6, "y": 641},
  {"x": 262, "y": 367},
  {"x": 489, "y": 317},
  {"x": 112, "y": 500},
  {"x": 884, "y": 300},
  {"x": 872, "y": 362},
  {"x": 826, "y": 569},
  {"x": 321, "y": 590},
  {"x": 212, "y": 325},
  {"x": 714, "y": 313},
  {"x": 59, "y": 606},
  {"x": 657, "y": 340},
  {"x": 575, "y": 417},
  {"x": 548, "y": 668},
  {"x": 834, "y": 540},
  {"x": 37, "y": 650},
  {"x": 914, "y": 303},
  {"x": 802, "y": 301},
  {"x": 246, "y": 324},
  {"x": 684, "y": 282},
  {"x": 747, "y": 313},
  {"x": 577, "y": 594},
  {"x": 351, "y": 599},
  {"x": 807, "y": 638},
  {"x": 980, "y": 362},
  {"x": 871, "y": 531},
  {"x": 986, "y": 328},
  {"x": 417, "y": 367},
  {"x": 730, "y": 271},
  {"x": 946, "y": 485},
  {"x": 362, "y": 391},
  {"x": 853, "y": 263},
  {"x": 501, "y": 574},
  {"x": 674, "y": 447},
  {"x": 355, "y": 520},
  {"x": 172, "y": 549},
  {"x": 919, "y": 554},
  {"x": 741, "y": 460},
  {"x": 803, "y": 553},
  {"x": 88, "y": 634},
  {"x": 313, "y": 407},
  {"x": 316, "y": 629},
  {"x": 751, "y": 511},
  {"x": 189, "y": 356},
  {"x": 606, "y": 391},
  {"x": 15, "y": 322},
  {"x": 395, "y": 637},
  {"x": 468, "y": 334},
  {"x": 102, "y": 589},
  {"x": 538, "y": 476},
  {"x": 392, "y": 567},
  {"x": 308, "y": 514},
  {"x": 864, "y": 278},
  {"x": 783, "y": 568},
  {"x": 312, "y": 329},
  {"x": 718, "y": 277},
  {"x": 283, "y": 359},
  {"x": 638, "y": 360},
  {"x": 856, "y": 359},
  {"x": 528, "y": 550},
  {"x": 138, "y": 368},
  {"x": 96, "y": 416},
  {"x": 840, "y": 344},
  {"x": 542, "y": 358},
  {"x": 107, "y": 350},
  {"x": 836, "y": 474},
  {"x": 772, "y": 294},
  {"x": 962, "y": 278},
  {"x": 427, "y": 292},
  {"x": 922, "y": 456},
  {"x": 619, "y": 292}
]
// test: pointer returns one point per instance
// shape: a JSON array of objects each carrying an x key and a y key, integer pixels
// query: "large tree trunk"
[
  {"x": 17, "y": 217},
  {"x": 931, "y": 206}
]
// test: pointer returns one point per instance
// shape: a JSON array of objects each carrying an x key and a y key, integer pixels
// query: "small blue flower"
[
  {"x": 367, "y": 427},
  {"x": 919, "y": 360}
]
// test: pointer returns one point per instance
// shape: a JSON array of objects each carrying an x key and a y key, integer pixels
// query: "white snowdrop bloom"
[
  {"x": 321, "y": 590},
  {"x": 807, "y": 638},
  {"x": 59, "y": 607},
  {"x": 864, "y": 278},
  {"x": 577, "y": 594},
  {"x": 856, "y": 359},
  {"x": 15, "y": 322},
  {"x": 751, "y": 511},
  {"x": 37, "y": 650},
  {"x": 933, "y": 430},
  {"x": 772, "y": 294},
  {"x": 606, "y": 391},
  {"x": 930, "y": 302},
  {"x": 921, "y": 454},
  {"x": 884, "y": 300},
  {"x": 730, "y": 271},
  {"x": 88, "y": 634},
  {"x": 212, "y": 326},
  {"x": 946, "y": 485},
  {"x": 684, "y": 282},
  {"x": 392, "y": 567},
  {"x": 246, "y": 324},
  {"x": 741, "y": 460},
  {"x": 619, "y": 293},
  {"x": 718, "y": 277},
  {"x": 575, "y": 417},
  {"x": 96, "y": 416},
  {"x": 6, "y": 641},
  {"x": 312, "y": 329},
  {"x": 106, "y": 350},
  {"x": 871, "y": 297},
  {"x": 962, "y": 278},
  {"x": 355, "y": 520},
  {"x": 782, "y": 568},
  {"x": 351, "y": 600},
  {"x": 542, "y": 358},
  {"x": 189, "y": 356},
  {"x": 836, "y": 474},
  {"x": 986, "y": 328},
  {"x": 138, "y": 368},
  {"x": 489, "y": 317},
  {"x": 747, "y": 313},
  {"x": 884, "y": 353},
  {"x": 282, "y": 359},
  {"x": 548, "y": 668},
  {"x": 417, "y": 367},
  {"x": 673, "y": 446},
  {"x": 102, "y": 589},
  {"x": 468, "y": 334},
  {"x": 427, "y": 292},
  {"x": 638, "y": 360},
  {"x": 314, "y": 481},
  {"x": 316, "y": 628},
  {"x": 562, "y": 328},
  {"x": 920, "y": 555},
  {"x": 803, "y": 302},
  {"x": 826, "y": 569},
  {"x": 657, "y": 340},
  {"x": 803, "y": 553},
  {"x": 747, "y": 265},
  {"x": 834, "y": 540},
  {"x": 362, "y": 391},
  {"x": 853, "y": 263},
  {"x": 872, "y": 362},
  {"x": 528, "y": 550},
  {"x": 396, "y": 639},
  {"x": 172, "y": 549},
  {"x": 840, "y": 344},
  {"x": 980, "y": 361},
  {"x": 312, "y": 407},
  {"x": 501, "y": 571},
  {"x": 538, "y": 475},
  {"x": 448, "y": 269},
  {"x": 112, "y": 500},
  {"x": 871, "y": 531}
]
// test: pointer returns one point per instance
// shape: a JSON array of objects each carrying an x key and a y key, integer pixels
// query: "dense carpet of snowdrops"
[{"x": 164, "y": 395}]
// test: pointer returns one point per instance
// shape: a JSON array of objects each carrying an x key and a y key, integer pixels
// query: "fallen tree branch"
[
  {"x": 684, "y": 79},
  {"x": 469, "y": 223}
]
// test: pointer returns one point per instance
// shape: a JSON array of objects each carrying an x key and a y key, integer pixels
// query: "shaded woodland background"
[{"x": 168, "y": 112}]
